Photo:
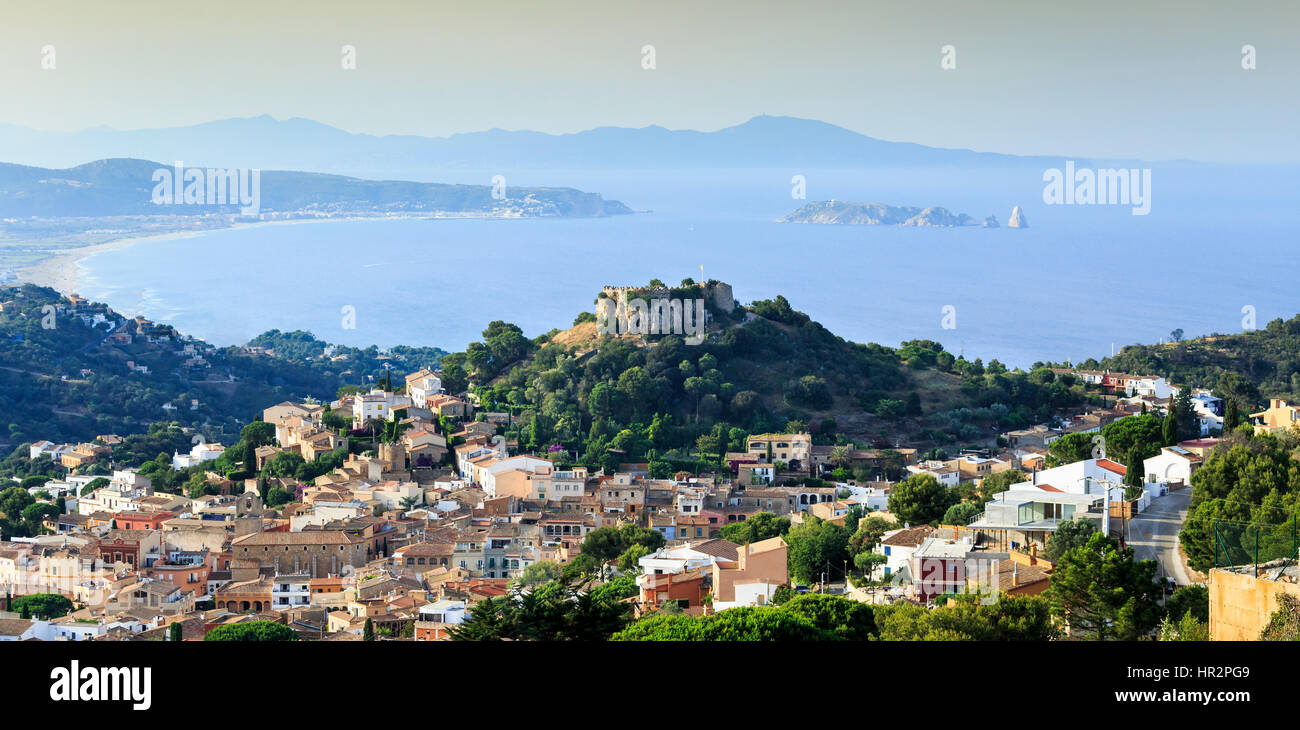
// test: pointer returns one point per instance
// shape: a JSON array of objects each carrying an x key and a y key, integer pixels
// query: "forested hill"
[
  {"x": 72, "y": 371},
  {"x": 761, "y": 368},
  {"x": 1250, "y": 366},
  {"x": 118, "y": 187}
]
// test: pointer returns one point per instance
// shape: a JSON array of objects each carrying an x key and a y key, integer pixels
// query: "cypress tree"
[
  {"x": 1169, "y": 429},
  {"x": 1135, "y": 474},
  {"x": 174, "y": 632},
  {"x": 1186, "y": 413},
  {"x": 1232, "y": 418},
  {"x": 368, "y": 633}
]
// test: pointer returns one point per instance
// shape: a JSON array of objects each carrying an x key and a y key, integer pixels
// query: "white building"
[
  {"x": 949, "y": 475},
  {"x": 671, "y": 561},
  {"x": 421, "y": 385},
  {"x": 1209, "y": 410},
  {"x": 1085, "y": 477},
  {"x": 1151, "y": 385},
  {"x": 377, "y": 405},
  {"x": 898, "y": 545},
  {"x": 444, "y": 612},
  {"x": 56, "y": 488},
  {"x": 690, "y": 499},
  {"x": 199, "y": 454},
  {"x": 1172, "y": 464},
  {"x": 121, "y": 495},
  {"x": 321, "y": 513},
  {"x": 291, "y": 590},
  {"x": 391, "y": 494}
]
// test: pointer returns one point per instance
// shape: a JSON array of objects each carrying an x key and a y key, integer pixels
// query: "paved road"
[{"x": 1153, "y": 535}]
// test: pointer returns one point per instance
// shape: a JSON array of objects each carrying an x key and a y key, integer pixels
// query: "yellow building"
[{"x": 1278, "y": 417}]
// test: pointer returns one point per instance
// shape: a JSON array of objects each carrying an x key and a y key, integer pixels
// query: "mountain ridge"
[{"x": 305, "y": 144}]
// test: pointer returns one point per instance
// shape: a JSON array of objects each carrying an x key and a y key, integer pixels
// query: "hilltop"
[
  {"x": 72, "y": 369},
  {"x": 1248, "y": 366},
  {"x": 763, "y": 367}
]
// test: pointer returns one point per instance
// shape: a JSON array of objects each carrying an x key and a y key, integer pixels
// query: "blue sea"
[{"x": 1079, "y": 282}]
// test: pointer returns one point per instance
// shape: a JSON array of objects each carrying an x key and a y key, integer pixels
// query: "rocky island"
[{"x": 838, "y": 212}]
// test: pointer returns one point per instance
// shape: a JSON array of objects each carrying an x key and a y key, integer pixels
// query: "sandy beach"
[{"x": 62, "y": 272}]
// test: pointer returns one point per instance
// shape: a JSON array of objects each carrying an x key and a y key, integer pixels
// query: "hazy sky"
[{"x": 1129, "y": 78}]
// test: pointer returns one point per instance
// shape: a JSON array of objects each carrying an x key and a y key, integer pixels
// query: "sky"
[{"x": 1152, "y": 80}]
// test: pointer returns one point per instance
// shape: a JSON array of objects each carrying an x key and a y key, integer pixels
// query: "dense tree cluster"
[
  {"x": 1245, "y": 501},
  {"x": 834, "y": 618},
  {"x": 44, "y": 393}
]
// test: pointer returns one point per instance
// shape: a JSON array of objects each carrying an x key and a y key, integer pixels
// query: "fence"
[{"x": 1261, "y": 546}]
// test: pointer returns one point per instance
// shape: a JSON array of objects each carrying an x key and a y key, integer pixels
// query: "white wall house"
[
  {"x": 1082, "y": 477},
  {"x": 423, "y": 386},
  {"x": 199, "y": 454},
  {"x": 1151, "y": 385},
  {"x": 671, "y": 561},
  {"x": 377, "y": 405},
  {"x": 1172, "y": 464},
  {"x": 948, "y": 475},
  {"x": 444, "y": 612},
  {"x": 121, "y": 494},
  {"x": 291, "y": 591},
  {"x": 898, "y": 545}
]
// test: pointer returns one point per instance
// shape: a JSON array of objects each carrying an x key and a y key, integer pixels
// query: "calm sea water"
[{"x": 1080, "y": 280}]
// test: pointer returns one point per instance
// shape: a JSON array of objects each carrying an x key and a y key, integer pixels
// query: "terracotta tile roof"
[
  {"x": 910, "y": 537},
  {"x": 1024, "y": 575},
  {"x": 718, "y": 548},
  {"x": 1111, "y": 466}
]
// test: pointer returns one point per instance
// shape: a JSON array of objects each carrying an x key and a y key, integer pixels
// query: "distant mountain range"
[
  {"x": 301, "y": 144},
  {"x": 126, "y": 187}
]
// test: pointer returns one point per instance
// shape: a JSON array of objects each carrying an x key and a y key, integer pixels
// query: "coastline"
[{"x": 62, "y": 271}]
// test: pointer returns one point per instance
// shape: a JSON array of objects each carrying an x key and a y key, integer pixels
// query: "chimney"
[{"x": 1015, "y": 574}]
